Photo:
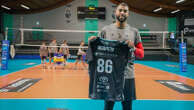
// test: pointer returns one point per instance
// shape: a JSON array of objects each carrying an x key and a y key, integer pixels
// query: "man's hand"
[
  {"x": 91, "y": 38},
  {"x": 130, "y": 43}
]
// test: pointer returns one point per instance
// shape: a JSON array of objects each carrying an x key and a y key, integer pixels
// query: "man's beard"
[{"x": 121, "y": 19}]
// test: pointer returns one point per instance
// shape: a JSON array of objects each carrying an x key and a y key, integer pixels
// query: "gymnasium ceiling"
[{"x": 145, "y": 7}]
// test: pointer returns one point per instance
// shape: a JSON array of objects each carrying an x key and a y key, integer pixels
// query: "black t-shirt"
[{"x": 107, "y": 61}]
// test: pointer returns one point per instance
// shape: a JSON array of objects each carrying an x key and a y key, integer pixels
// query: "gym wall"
[{"x": 55, "y": 19}]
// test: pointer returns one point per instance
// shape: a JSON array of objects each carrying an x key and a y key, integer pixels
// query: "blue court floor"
[
  {"x": 19, "y": 64},
  {"x": 172, "y": 67},
  {"x": 87, "y": 104}
]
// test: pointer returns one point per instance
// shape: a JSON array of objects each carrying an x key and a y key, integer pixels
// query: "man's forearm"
[{"x": 139, "y": 51}]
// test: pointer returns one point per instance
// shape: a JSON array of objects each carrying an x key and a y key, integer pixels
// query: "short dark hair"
[
  {"x": 64, "y": 41},
  {"x": 122, "y": 4}
]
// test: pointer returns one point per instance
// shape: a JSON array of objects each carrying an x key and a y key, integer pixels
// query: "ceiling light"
[
  {"x": 37, "y": 23},
  {"x": 158, "y": 9},
  {"x": 24, "y": 6},
  {"x": 175, "y": 11},
  {"x": 5, "y": 7},
  {"x": 144, "y": 25},
  {"x": 179, "y": 1}
]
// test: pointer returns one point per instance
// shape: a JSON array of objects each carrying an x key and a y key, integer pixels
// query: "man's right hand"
[{"x": 91, "y": 38}]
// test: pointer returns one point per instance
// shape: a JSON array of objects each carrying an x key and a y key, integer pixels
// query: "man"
[
  {"x": 43, "y": 54},
  {"x": 52, "y": 49},
  {"x": 80, "y": 55},
  {"x": 65, "y": 50},
  {"x": 121, "y": 31}
]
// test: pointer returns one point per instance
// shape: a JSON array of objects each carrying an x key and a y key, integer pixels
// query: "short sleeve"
[
  {"x": 137, "y": 37},
  {"x": 102, "y": 33}
]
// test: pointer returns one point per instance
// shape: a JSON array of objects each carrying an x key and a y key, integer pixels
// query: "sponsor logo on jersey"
[
  {"x": 103, "y": 79},
  {"x": 103, "y": 48},
  {"x": 19, "y": 85},
  {"x": 177, "y": 86}
]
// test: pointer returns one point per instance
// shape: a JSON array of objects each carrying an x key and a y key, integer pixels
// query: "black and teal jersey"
[{"x": 107, "y": 61}]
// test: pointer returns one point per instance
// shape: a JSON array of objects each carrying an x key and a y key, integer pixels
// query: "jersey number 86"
[{"x": 104, "y": 65}]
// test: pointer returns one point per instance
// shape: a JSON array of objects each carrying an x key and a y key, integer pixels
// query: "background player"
[
  {"x": 52, "y": 50},
  {"x": 80, "y": 55},
  {"x": 65, "y": 50},
  {"x": 43, "y": 54}
]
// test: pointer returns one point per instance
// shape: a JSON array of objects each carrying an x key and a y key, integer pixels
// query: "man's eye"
[{"x": 120, "y": 10}]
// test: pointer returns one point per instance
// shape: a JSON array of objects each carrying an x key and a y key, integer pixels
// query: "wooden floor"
[{"x": 70, "y": 83}]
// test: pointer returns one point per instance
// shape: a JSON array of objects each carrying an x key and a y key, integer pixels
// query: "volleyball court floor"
[{"x": 26, "y": 86}]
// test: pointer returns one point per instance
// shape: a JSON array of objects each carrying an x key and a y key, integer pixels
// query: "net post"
[
  {"x": 6, "y": 33},
  {"x": 22, "y": 36},
  {"x": 183, "y": 54},
  {"x": 163, "y": 40},
  {"x": 182, "y": 37}
]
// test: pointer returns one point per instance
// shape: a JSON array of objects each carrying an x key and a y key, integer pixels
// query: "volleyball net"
[{"x": 28, "y": 41}]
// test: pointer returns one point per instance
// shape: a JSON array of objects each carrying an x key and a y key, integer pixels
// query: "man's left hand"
[{"x": 130, "y": 43}]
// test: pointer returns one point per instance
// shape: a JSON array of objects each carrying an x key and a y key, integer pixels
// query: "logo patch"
[
  {"x": 19, "y": 85},
  {"x": 177, "y": 86}
]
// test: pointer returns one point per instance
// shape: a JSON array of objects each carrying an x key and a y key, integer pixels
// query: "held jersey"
[{"x": 107, "y": 61}]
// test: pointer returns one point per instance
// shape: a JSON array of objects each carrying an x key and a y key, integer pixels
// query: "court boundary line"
[{"x": 86, "y": 99}]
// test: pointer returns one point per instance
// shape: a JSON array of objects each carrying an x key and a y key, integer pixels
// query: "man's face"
[
  {"x": 122, "y": 12},
  {"x": 54, "y": 41},
  {"x": 82, "y": 43}
]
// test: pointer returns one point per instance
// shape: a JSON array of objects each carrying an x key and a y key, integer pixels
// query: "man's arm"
[{"x": 137, "y": 45}]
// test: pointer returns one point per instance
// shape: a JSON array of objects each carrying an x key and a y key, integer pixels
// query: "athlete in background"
[
  {"x": 65, "y": 50},
  {"x": 43, "y": 54},
  {"x": 80, "y": 54},
  {"x": 52, "y": 50}
]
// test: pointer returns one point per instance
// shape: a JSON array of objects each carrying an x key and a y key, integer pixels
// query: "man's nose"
[{"x": 122, "y": 12}]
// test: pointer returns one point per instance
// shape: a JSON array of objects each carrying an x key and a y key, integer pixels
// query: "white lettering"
[
  {"x": 186, "y": 30},
  {"x": 4, "y": 90},
  {"x": 103, "y": 48},
  {"x": 178, "y": 85},
  {"x": 19, "y": 83}
]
